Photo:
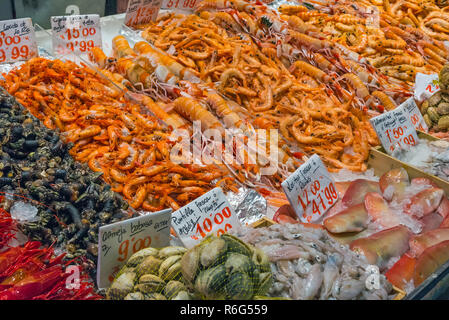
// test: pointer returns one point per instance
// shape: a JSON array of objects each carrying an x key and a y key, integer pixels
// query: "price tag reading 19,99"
[
  {"x": 142, "y": 11},
  {"x": 182, "y": 5},
  {"x": 17, "y": 40},
  {"x": 395, "y": 130},
  {"x": 118, "y": 241},
  {"x": 209, "y": 214},
  {"x": 76, "y": 33},
  {"x": 310, "y": 190}
]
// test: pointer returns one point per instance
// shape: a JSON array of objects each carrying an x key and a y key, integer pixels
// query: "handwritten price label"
[
  {"x": 142, "y": 11},
  {"x": 209, "y": 214},
  {"x": 184, "y": 5},
  {"x": 76, "y": 33},
  {"x": 310, "y": 190},
  {"x": 414, "y": 114},
  {"x": 426, "y": 85},
  {"x": 17, "y": 40},
  {"x": 395, "y": 129},
  {"x": 118, "y": 241}
]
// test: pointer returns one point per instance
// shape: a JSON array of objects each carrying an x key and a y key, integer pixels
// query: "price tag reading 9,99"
[
  {"x": 141, "y": 12},
  {"x": 310, "y": 190},
  {"x": 76, "y": 33},
  {"x": 182, "y": 5},
  {"x": 17, "y": 40},
  {"x": 395, "y": 129},
  {"x": 209, "y": 214},
  {"x": 119, "y": 241}
]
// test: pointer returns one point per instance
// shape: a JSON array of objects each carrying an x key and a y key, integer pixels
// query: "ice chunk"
[
  {"x": 23, "y": 211},
  {"x": 347, "y": 175}
]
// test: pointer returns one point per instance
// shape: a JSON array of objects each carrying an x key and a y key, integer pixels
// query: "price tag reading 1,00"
[
  {"x": 76, "y": 33},
  {"x": 209, "y": 214},
  {"x": 310, "y": 190},
  {"x": 17, "y": 40}
]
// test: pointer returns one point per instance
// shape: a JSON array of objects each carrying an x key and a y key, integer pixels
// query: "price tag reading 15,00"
[
  {"x": 209, "y": 214},
  {"x": 310, "y": 190},
  {"x": 119, "y": 241},
  {"x": 76, "y": 33},
  {"x": 17, "y": 40}
]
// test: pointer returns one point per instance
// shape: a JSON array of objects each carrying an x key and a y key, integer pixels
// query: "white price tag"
[
  {"x": 425, "y": 86},
  {"x": 17, "y": 40},
  {"x": 142, "y": 11},
  {"x": 209, "y": 214},
  {"x": 395, "y": 129},
  {"x": 76, "y": 33},
  {"x": 310, "y": 190},
  {"x": 414, "y": 114},
  {"x": 181, "y": 5},
  {"x": 117, "y": 242}
]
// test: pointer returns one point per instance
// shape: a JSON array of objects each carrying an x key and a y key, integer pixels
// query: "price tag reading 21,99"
[
  {"x": 209, "y": 214},
  {"x": 76, "y": 33},
  {"x": 310, "y": 190}
]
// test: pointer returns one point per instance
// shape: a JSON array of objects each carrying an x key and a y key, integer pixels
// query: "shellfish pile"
[
  {"x": 308, "y": 264},
  {"x": 72, "y": 201}
]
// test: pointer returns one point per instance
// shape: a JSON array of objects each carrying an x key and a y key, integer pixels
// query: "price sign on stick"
[
  {"x": 182, "y": 5},
  {"x": 395, "y": 129},
  {"x": 17, "y": 40},
  {"x": 209, "y": 214},
  {"x": 119, "y": 241},
  {"x": 310, "y": 190},
  {"x": 76, "y": 33},
  {"x": 426, "y": 85},
  {"x": 414, "y": 114},
  {"x": 142, "y": 11}
]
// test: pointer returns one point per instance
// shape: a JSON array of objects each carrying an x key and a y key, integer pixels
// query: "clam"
[
  {"x": 172, "y": 288},
  {"x": 150, "y": 265},
  {"x": 155, "y": 296},
  {"x": 121, "y": 286},
  {"x": 150, "y": 283},
  {"x": 171, "y": 251},
  {"x": 190, "y": 263},
  {"x": 210, "y": 283},
  {"x": 236, "y": 245},
  {"x": 182, "y": 295},
  {"x": 170, "y": 268},
  {"x": 134, "y": 296},
  {"x": 212, "y": 252},
  {"x": 265, "y": 282},
  {"x": 261, "y": 260},
  {"x": 237, "y": 262},
  {"x": 140, "y": 255},
  {"x": 239, "y": 286}
]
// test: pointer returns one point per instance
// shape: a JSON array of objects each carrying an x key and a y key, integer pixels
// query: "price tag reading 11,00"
[
  {"x": 76, "y": 33},
  {"x": 310, "y": 190},
  {"x": 209, "y": 214},
  {"x": 17, "y": 40}
]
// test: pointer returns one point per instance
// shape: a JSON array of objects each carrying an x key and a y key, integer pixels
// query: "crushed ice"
[{"x": 23, "y": 212}]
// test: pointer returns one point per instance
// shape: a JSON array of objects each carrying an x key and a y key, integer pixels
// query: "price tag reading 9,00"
[
  {"x": 310, "y": 190},
  {"x": 76, "y": 33},
  {"x": 17, "y": 40}
]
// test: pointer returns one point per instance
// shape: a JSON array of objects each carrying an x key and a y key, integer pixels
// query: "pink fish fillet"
[
  {"x": 357, "y": 190},
  {"x": 353, "y": 219},
  {"x": 392, "y": 183},
  {"x": 379, "y": 211},
  {"x": 421, "y": 242},
  {"x": 424, "y": 202}
]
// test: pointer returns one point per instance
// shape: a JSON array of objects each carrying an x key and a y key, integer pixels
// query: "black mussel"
[
  {"x": 60, "y": 174},
  {"x": 5, "y": 181},
  {"x": 17, "y": 131},
  {"x": 26, "y": 175},
  {"x": 30, "y": 145}
]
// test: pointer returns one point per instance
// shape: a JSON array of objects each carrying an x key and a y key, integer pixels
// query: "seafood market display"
[
  {"x": 217, "y": 96},
  {"x": 307, "y": 264}
]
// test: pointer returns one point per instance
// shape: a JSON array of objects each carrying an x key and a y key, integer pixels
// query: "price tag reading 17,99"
[
  {"x": 142, "y": 11},
  {"x": 118, "y": 241},
  {"x": 17, "y": 40},
  {"x": 209, "y": 214},
  {"x": 395, "y": 129},
  {"x": 76, "y": 33},
  {"x": 184, "y": 5},
  {"x": 310, "y": 190}
]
